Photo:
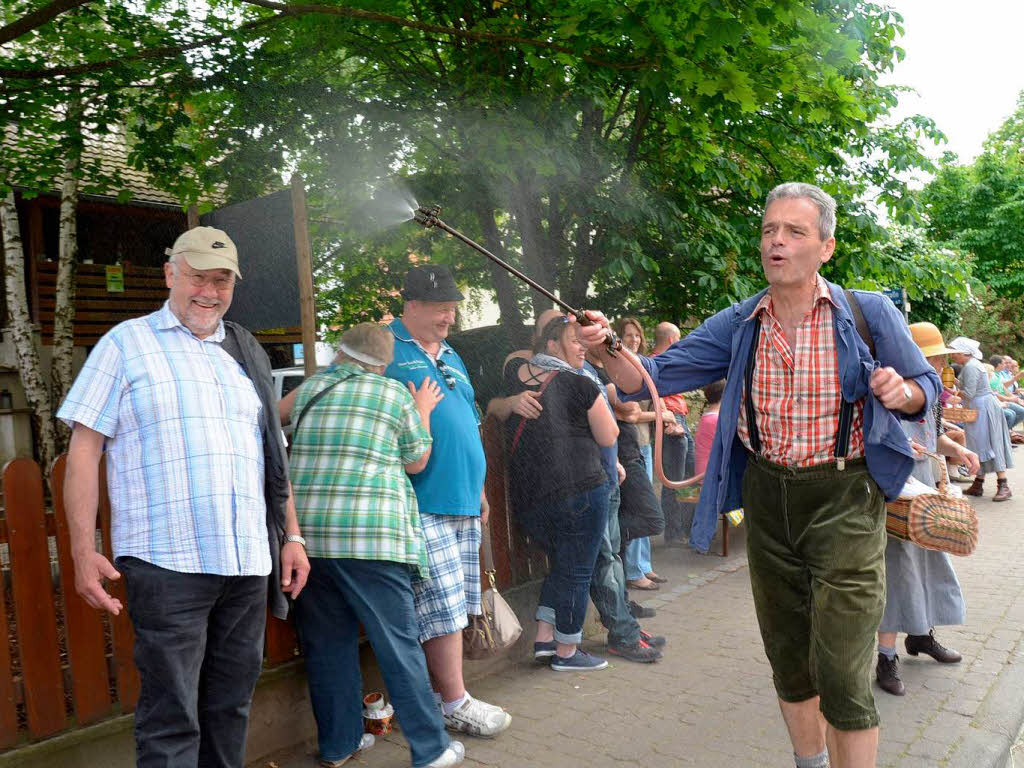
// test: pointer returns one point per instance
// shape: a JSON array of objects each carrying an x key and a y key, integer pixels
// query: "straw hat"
[{"x": 929, "y": 339}]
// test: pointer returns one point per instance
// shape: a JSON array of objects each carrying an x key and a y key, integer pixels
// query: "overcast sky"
[{"x": 966, "y": 61}]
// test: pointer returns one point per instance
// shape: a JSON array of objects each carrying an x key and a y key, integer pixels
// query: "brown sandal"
[
  {"x": 644, "y": 584},
  {"x": 656, "y": 578}
]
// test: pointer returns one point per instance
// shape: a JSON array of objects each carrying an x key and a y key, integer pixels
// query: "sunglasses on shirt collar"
[{"x": 449, "y": 380}]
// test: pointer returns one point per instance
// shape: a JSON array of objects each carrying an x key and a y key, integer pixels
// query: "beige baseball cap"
[{"x": 206, "y": 248}]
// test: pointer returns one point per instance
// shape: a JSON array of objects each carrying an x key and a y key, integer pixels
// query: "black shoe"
[
  {"x": 639, "y": 612},
  {"x": 888, "y": 673},
  {"x": 640, "y": 652},
  {"x": 658, "y": 641},
  {"x": 927, "y": 644}
]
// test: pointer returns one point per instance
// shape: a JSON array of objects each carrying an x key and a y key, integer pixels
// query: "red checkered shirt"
[{"x": 796, "y": 390}]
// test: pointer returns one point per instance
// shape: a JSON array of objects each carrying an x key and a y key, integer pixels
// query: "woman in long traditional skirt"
[
  {"x": 922, "y": 590},
  {"x": 989, "y": 436}
]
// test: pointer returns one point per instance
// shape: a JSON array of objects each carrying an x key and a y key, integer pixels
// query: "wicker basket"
[
  {"x": 934, "y": 520},
  {"x": 960, "y": 415}
]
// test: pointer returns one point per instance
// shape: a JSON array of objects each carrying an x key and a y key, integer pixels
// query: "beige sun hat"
[{"x": 206, "y": 248}]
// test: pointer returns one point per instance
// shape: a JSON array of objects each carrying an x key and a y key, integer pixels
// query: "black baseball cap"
[{"x": 430, "y": 282}]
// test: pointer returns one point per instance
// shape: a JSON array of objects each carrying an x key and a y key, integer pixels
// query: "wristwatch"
[
  {"x": 908, "y": 393},
  {"x": 296, "y": 538}
]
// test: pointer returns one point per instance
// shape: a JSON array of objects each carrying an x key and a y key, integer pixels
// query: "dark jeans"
[
  {"x": 608, "y": 585},
  {"x": 340, "y": 595},
  {"x": 674, "y": 455},
  {"x": 199, "y": 651},
  {"x": 690, "y": 462},
  {"x": 570, "y": 532}
]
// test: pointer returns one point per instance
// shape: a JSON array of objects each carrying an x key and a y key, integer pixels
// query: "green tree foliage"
[
  {"x": 937, "y": 280},
  {"x": 637, "y": 163},
  {"x": 979, "y": 208},
  {"x": 622, "y": 147},
  {"x": 996, "y": 321}
]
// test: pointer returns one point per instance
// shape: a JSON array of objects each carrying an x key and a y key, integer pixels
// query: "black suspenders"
[
  {"x": 748, "y": 377},
  {"x": 845, "y": 411}
]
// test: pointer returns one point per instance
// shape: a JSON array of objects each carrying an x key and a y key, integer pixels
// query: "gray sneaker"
[{"x": 477, "y": 718}]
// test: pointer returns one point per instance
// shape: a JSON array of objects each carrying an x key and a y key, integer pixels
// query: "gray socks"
[
  {"x": 819, "y": 760},
  {"x": 889, "y": 653}
]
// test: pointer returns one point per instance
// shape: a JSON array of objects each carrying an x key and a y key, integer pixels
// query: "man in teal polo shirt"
[{"x": 450, "y": 494}]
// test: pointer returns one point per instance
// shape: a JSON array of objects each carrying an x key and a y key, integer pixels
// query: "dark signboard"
[{"x": 267, "y": 296}]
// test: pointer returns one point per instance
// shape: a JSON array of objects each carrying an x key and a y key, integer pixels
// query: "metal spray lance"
[{"x": 430, "y": 217}]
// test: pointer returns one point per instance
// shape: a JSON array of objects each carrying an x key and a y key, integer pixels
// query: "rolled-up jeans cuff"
[
  {"x": 574, "y": 639},
  {"x": 544, "y": 613}
]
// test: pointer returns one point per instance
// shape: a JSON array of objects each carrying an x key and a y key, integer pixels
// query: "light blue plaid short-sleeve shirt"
[{"x": 184, "y": 447}]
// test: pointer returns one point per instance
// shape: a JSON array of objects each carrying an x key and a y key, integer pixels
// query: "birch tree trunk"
[
  {"x": 20, "y": 328},
  {"x": 67, "y": 265}
]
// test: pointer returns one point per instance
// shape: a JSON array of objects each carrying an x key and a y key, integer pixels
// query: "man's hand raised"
[
  {"x": 895, "y": 392},
  {"x": 594, "y": 334}
]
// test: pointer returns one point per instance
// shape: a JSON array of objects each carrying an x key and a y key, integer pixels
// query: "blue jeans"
[
  {"x": 1014, "y": 414},
  {"x": 638, "y": 559},
  {"x": 570, "y": 532},
  {"x": 340, "y": 595},
  {"x": 647, "y": 451},
  {"x": 199, "y": 652},
  {"x": 608, "y": 586}
]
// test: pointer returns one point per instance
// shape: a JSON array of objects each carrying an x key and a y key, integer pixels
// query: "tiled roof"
[{"x": 111, "y": 152}]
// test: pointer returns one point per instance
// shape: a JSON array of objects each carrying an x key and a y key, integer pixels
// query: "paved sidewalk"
[{"x": 711, "y": 703}]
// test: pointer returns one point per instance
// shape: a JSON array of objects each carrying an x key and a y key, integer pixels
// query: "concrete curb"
[{"x": 997, "y": 726}]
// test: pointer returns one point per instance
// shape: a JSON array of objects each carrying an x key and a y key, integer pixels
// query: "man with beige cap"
[{"x": 182, "y": 404}]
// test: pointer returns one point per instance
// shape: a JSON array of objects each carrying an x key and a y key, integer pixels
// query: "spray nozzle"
[{"x": 428, "y": 216}]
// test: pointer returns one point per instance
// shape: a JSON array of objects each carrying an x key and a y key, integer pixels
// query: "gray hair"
[{"x": 822, "y": 200}]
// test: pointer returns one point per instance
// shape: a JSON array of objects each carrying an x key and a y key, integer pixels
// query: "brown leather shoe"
[
  {"x": 644, "y": 583},
  {"x": 888, "y": 673},
  {"x": 927, "y": 644},
  {"x": 977, "y": 487},
  {"x": 1002, "y": 491}
]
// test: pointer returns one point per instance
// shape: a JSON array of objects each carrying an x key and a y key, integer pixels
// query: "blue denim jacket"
[{"x": 719, "y": 348}]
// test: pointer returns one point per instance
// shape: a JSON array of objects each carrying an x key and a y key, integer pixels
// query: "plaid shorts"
[{"x": 444, "y": 601}]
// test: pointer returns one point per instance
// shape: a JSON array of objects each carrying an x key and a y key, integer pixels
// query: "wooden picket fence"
[{"x": 65, "y": 664}]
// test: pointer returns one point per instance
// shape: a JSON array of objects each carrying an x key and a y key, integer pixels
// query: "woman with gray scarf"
[{"x": 558, "y": 486}]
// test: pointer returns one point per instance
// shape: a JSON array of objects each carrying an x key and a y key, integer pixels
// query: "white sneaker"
[
  {"x": 365, "y": 742},
  {"x": 478, "y": 718},
  {"x": 453, "y": 755}
]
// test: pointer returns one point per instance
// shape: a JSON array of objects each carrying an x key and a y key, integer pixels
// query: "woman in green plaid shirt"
[{"x": 356, "y": 437}]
